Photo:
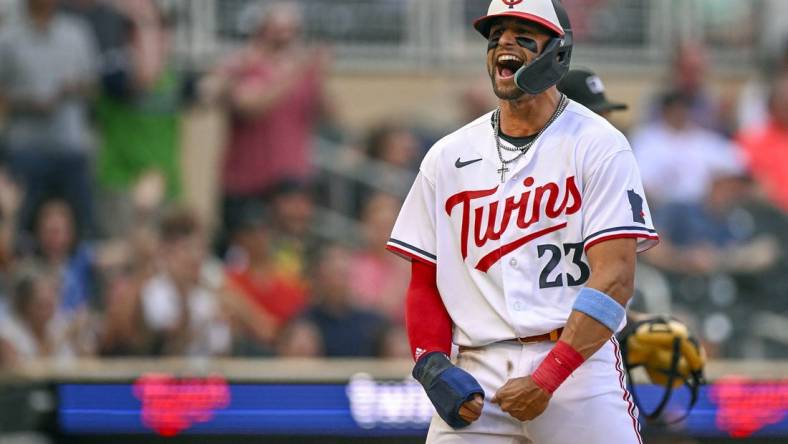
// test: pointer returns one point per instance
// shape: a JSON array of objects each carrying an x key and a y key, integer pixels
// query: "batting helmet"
[
  {"x": 670, "y": 355},
  {"x": 553, "y": 63}
]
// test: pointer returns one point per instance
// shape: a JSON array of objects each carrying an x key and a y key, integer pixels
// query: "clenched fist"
[
  {"x": 471, "y": 410},
  {"x": 522, "y": 398}
]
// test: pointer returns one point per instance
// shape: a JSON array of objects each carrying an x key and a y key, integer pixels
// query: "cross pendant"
[{"x": 503, "y": 170}]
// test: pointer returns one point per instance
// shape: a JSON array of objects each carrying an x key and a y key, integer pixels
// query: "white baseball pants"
[{"x": 592, "y": 406}]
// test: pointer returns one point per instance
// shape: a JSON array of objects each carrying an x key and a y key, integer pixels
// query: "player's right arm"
[{"x": 455, "y": 394}]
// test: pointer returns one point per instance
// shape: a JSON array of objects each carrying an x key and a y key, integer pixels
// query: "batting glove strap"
[{"x": 447, "y": 386}]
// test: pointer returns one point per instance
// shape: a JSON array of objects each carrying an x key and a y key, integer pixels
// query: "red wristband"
[{"x": 557, "y": 366}]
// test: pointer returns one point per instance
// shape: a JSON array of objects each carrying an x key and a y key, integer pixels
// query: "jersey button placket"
[
  {"x": 512, "y": 273},
  {"x": 509, "y": 273}
]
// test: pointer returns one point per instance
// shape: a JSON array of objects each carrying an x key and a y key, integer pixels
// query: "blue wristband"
[{"x": 601, "y": 307}]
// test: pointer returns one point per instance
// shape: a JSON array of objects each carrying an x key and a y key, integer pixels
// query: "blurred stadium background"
[{"x": 195, "y": 195}]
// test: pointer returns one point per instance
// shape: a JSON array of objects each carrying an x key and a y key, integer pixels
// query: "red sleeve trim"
[{"x": 624, "y": 236}]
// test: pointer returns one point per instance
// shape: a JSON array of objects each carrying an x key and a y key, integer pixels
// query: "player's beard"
[{"x": 504, "y": 92}]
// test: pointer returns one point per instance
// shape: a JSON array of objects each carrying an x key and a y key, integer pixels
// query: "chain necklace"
[{"x": 521, "y": 150}]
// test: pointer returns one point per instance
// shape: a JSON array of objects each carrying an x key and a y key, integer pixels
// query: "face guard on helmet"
[
  {"x": 553, "y": 63},
  {"x": 669, "y": 354}
]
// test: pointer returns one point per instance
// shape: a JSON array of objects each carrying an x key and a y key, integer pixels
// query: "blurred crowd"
[
  {"x": 714, "y": 173},
  {"x": 101, "y": 256}
]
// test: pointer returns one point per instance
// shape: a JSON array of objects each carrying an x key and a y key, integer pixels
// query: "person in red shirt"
[
  {"x": 378, "y": 279},
  {"x": 272, "y": 88},
  {"x": 766, "y": 147},
  {"x": 261, "y": 297}
]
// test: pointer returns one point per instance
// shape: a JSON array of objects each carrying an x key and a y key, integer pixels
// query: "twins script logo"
[
  {"x": 171, "y": 405},
  {"x": 512, "y": 3},
  {"x": 524, "y": 210}
]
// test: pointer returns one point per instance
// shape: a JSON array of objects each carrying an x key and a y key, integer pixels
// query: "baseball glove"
[{"x": 669, "y": 354}]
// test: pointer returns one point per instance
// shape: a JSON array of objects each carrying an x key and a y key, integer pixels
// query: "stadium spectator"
[
  {"x": 10, "y": 200},
  {"x": 709, "y": 236},
  {"x": 273, "y": 90},
  {"x": 300, "y": 339},
  {"x": 753, "y": 106},
  {"x": 261, "y": 296},
  {"x": 179, "y": 304},
  {"x": 378, "y": 279},
  {"x": 34, "y": 329},
  {"x": 676, "y": 157},
  {"x": 395, "y": 151},
  {"x": 121, "y": 330},
  {"x": 137, "y": 109},
  {"x": 292, "y": 222},
  {"x": 111, "y": 31},
  {"x": 476, "y": 100},
  {"x": 723, "y": 255},
  {"x": 394, "y": 145},
  {"x": 47, "y": 75},
  {"x": 688, "y": 77},
  {"x": 766, "y": 146},
  {"x": 57, "y": 246},
  {"x": 138, "y": 117},
  {"x": 345, "y": 330}
]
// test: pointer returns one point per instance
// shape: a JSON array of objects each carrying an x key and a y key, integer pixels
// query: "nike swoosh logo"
[{"x": 459, "y": 163}]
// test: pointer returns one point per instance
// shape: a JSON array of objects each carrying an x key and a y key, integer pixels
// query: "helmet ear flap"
[
  {"x": 564, "y": 55},
  {"x": 546, "y": 70}
]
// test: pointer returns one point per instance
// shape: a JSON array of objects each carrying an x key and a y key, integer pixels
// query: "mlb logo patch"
[{"x": 595, "y": 85}]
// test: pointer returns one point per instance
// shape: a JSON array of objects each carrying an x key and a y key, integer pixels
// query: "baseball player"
[{"x": 522, "y": 229}]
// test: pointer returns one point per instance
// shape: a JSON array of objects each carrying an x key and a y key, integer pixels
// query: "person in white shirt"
[
  {"x": 33, "y": 327},
  {"x": 179, "y": 305},
  {"x": 677, "y": 158}
]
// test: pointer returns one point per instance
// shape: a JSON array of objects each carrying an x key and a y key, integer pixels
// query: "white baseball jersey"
[{"x": 511, "y": 257}]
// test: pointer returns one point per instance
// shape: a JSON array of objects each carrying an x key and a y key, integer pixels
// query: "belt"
[{"x": 551, "y": 336}]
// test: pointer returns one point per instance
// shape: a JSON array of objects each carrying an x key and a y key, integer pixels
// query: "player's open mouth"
[{"x": 507, "y": 65}]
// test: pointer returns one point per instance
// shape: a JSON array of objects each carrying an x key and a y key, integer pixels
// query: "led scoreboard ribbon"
[{"x": 164, "y": 405}]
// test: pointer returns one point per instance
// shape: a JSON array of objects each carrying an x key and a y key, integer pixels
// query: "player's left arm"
[
  {"x": 612, "y": 276},
  {"x": 616, "y": 225}
]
